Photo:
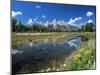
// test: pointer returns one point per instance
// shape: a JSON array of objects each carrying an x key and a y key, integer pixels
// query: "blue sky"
[{"x": 28, "y": 12}]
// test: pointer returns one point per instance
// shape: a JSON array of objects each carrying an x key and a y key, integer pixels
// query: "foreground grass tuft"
[{"x": 84, "y": 58}]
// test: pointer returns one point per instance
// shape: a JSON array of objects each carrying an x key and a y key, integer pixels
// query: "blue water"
[{"x": 34, "y": 56}]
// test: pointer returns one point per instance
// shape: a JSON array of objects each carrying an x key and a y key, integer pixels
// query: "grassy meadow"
[{"x": 85, "y": 56}]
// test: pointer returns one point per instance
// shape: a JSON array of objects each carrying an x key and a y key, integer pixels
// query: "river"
[{"x": 38, "y": 55}]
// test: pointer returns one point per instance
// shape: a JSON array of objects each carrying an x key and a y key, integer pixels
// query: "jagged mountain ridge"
[{"x": 62, "y": 27}]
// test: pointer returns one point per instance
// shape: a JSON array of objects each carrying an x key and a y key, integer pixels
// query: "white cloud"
[
  {"x": 72, "y": 21},
  {"x": 89, "y": 13},
  {"x": 38, "y": 6},
  {"x": 89, "y": 21},
  {"x": 30, "y": 21},
  {"x": 43, "y": 16},
  {"x": 34, "y": 19},
  {"x": 14, "y": 14}
]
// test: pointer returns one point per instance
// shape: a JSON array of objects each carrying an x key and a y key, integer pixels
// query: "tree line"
[
  {"x": 88, "y": 27},
  {"x": 17, "y": 26}
]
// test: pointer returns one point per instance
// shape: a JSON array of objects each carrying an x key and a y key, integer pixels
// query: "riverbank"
[
  {"x": 84, "y": 58},
  {"x": 40, "y": 36}
]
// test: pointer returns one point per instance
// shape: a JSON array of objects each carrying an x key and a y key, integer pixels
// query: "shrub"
[{"x": 84, "y": 58}]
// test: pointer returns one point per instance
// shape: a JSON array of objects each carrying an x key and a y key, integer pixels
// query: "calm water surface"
[{"x": 33, "y": 56}]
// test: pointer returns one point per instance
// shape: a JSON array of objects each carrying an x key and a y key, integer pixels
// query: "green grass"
[
  {"x": 16, "y": 38},
  {"x": 84, "y": 57}
]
